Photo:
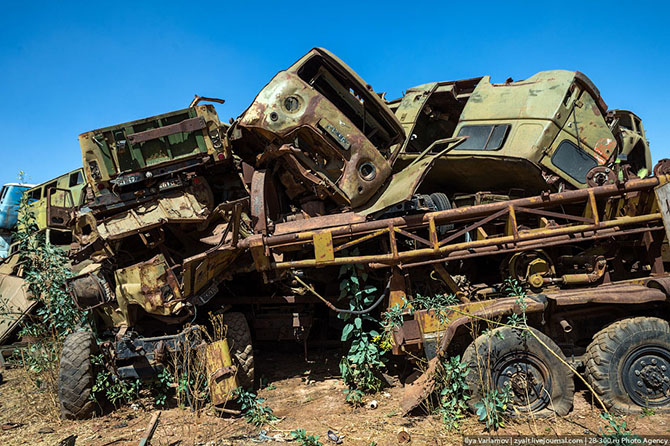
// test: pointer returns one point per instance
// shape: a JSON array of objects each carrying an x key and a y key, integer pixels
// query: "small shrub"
[
  {"x": 616, "y": 431},
  {"x": 361, "y": 367},
  {"x": 265, "y": 384},
  {"x": 301, "y": 436},
  {"x": 110, "y": 387},
  {"x": 513, "y": 288},
  {"x": 354, "y": 397},
  {"x": 492, "y": 409},
  {"x": 394, "y": 316},
  {"x": 45, "y": 270},
  {"x": 647, "y": 412},
  {"x": 160, "y": 389},
  {"x": 453, "y": 393},
  {"x": 252, "y": 407}
]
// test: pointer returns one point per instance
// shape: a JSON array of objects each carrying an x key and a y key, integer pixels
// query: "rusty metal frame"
[{"x": 585, "y": 222}]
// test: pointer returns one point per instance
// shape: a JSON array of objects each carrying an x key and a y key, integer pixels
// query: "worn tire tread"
[
  {"x": 241, "y": 347},
  {"x": 76, "y": 376}
]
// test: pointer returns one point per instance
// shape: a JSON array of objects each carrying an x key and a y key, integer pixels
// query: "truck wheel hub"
[
  {"x": 528, "y": 379},
  {"x": 646, "y": 376}
]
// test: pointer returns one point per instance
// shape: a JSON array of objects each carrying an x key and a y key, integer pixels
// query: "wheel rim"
[
  {"x": 528, "y": 379},
  {"x": 646, "y": 376}
]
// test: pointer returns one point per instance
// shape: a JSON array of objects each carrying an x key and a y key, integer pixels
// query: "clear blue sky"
[{"x": 67, "y": 67}]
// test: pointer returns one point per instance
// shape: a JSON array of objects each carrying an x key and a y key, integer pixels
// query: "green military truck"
[{"x": 542, "y": 133}]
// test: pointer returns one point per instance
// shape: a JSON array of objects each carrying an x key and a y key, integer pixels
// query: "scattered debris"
[
  {"x": 151, "y": 428},
  {"x": 68, "y": 441},
  {"x": 403, "y": 436},
  {"x": 332, "y": 436}
]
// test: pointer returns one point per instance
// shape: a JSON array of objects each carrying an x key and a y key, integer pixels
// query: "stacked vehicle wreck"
[{"x": 448, "y": 190}]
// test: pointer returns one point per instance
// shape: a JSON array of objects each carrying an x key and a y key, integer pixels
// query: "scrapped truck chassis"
[
  {"x": 631, "y": 212},
  {"x": 583, "y": 224}
]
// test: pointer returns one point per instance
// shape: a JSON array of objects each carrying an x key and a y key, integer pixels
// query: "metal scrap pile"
[
  {"x": 181, "y": 202},
  {"x": 461, "y": 183}
]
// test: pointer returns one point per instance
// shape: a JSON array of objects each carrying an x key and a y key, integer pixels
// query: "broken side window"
[
  {"x": 625, "y": 122},
  {"x": 53, "y": 185},
  {"x": 76, "y": 178},
  {"x": 34, "y": 195}
]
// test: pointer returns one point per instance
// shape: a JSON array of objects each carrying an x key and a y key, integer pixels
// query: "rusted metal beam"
[
  {"x": 467, "y": 213},
  {"x": 406, "y": 256},
  {"x": 544, "y": 243}
]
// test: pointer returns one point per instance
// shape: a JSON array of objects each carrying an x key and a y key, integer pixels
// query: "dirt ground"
[{"x": 303, "y": 395}]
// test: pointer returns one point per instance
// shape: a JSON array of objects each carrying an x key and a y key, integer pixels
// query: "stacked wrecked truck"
[{"x": 448, "y": 190}]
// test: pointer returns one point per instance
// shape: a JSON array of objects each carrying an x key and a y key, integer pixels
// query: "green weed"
[
  {"x": 252, "y": 407},
  {"x": 304, "y": 439},
  {"x": 354, "y": 397},
  {"x": 616, "y": 431},
  {"x": 110, "y": 387},
  {"x": 361, "y": 367},
  {"x": 453, "y": 393},
  {"x": 492, "y": 408}
]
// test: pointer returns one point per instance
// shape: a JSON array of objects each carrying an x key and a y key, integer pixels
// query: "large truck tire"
[
  {"x": 76, "y": 376},
  {"x": 540, "y": 380},
  {"x": 442, "y": 203},
  {"x": 628, "y": 365},
  {"x": 241, "y": 347}
]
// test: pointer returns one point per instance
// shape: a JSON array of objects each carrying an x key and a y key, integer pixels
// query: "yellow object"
[{"x": 221, "y": 373}]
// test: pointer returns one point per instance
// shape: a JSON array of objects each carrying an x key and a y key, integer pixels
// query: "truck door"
[{"x": 584, "y": 141}]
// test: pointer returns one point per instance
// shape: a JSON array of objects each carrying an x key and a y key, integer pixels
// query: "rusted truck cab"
[
  {"x": 128, "y": 162},
  {"x": 54, "y": 203},
  {"x": 542, "y": 133},
  {"x": 325, "y": 128},
  {"x": 633, "y": 140}
]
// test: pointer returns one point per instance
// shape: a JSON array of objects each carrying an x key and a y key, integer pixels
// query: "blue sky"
[{"x": 68, "y": 67}]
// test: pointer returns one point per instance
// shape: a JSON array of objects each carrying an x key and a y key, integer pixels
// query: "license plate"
[
  {"x": 207, "y": 295},
  {"x": 126, "y": 180},
  {"x": 169, "y": 184}
]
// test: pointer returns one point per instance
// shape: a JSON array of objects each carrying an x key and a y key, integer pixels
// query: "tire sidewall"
[
  {"x": 241, "y": 347},
  {"x": 489, "y": 349}
]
